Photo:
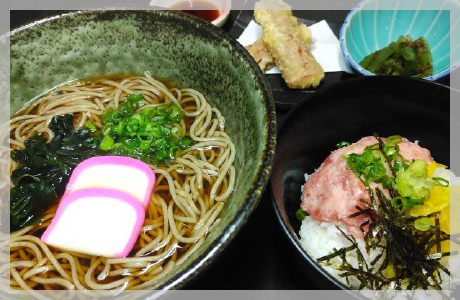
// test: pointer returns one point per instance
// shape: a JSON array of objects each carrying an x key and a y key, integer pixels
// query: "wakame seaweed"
[
  {"x": 406, "y": 249},
  {"x": 45, "y": 168}
]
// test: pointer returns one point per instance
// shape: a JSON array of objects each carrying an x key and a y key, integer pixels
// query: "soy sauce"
[{"x": 202, "y": 9}]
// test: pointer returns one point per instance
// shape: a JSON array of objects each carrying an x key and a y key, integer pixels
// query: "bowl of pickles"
[{"x": 402, "y": 38}]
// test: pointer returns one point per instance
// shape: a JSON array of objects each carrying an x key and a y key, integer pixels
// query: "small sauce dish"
[{"x": 214, "y": 11}]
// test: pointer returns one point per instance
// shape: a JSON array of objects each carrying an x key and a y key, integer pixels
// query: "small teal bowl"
[{"x": 374, "y": 24}]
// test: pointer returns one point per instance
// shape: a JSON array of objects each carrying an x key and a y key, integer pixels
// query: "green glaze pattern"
[{"x": 174, "y": 47}]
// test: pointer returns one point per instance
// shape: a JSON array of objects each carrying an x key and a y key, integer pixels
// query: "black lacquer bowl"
[{"x": 346, "y": 111}]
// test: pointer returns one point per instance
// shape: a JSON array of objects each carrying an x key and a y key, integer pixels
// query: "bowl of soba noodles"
[{"x": 139, "y": 143}]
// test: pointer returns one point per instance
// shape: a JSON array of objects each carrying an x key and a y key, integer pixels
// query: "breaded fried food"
[
  {"x": 285, "y": 40},
  {"x": 305, "y": 33},
  {"x": 263, "y": 57}
]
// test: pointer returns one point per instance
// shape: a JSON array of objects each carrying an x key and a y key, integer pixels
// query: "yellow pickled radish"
[
  {"x": 438, "y": 200},
  {"x": 390, "y": 271},
  {"x": 432, "y": 167}
]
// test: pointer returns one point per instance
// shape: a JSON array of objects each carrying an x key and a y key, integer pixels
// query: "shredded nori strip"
[{"x": 405, "y": 248}]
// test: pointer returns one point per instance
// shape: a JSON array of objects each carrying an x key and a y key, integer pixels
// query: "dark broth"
[{"x": 181, "y": 248}]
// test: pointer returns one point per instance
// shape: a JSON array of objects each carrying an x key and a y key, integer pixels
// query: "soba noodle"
[{"x": 185, "y": 206}]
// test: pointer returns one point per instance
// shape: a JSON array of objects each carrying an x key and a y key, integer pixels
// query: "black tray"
[
  {"x": 284, "y": 97},
  {"x": 260, "y": 256}
]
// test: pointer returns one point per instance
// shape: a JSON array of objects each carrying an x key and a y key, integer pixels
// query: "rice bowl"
[
  {"x": 347, "y": 111},
  {"x": 318, "y": 238},
  {"x": 390, "y": 188}
]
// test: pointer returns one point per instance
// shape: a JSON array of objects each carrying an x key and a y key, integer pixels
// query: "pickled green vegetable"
[{"x": 403, "y": 57}]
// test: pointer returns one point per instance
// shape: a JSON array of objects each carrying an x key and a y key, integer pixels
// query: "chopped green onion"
[
  {"x": 106, "y": 130},
  {"x": 422, "y": 224},
  {"x": 404, "y": 203},
  {"x": 145, "y": 137},
  {"x": 413, "y": 202},
  {"x": 400, "y": 203},
  {"x": 156, "y": 132},
  {"x": 106, "y": 143},
  {"x": 176, "y": 113},
  {"x": 368, "y": 165},
  {"x": 172, "y": 151},
  {"x": 165, "y": 131},
  {"x": 144, "y": 145},
  {"x": 119, "y": 128},
  {"x": 135, "y": 97},
  {"x": 400, "y": 165},
  {"x": 300, "y": 214},
  {"x": 117, "y": 145},
  {"x": 152, "y": 134},
  {"x": 90, "y": 126},
  {"x": 342, "y": 144},
  {"x": 161, "y": 155},
  {"x": 390, "y": 151},
  {"x": 176, "y": 132},
  {"x": 185, "y": 143},
  {"x": 441, "y": 181}
]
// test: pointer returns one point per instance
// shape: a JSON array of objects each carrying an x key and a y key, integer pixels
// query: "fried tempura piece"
[
  {"x": 271, "y": 5},
  {"x": 306, "y": 34},
  {"x": 285, "y": 40},
  {"x": 263, "y": 57}
]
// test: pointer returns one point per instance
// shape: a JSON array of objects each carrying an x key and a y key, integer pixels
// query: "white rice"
[{"x": 320, "y": 238}]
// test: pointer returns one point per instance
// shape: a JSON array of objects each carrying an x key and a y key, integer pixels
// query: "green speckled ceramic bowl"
[{"x": 175, "y": 47}]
